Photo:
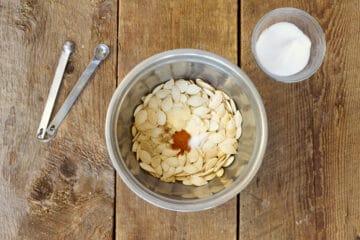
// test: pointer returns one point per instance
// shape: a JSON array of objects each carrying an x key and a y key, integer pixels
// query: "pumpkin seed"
[
  {"x": 198, "y": 181},
  {"x": 190, "y": 169},
  {"x": 169, "y": 84},
  {"x": 161, "y": 118},
  {"x": 204, "y": 85},
  {"x": 140, "y": 117},
  {"x": 215, "y": 100},
  {"x": 147, "y": 167},
  {"x": 220, "y": 172},
  {"x": 201, "y": 111},
  {"x": 195, "y": 101},
  {"x": 154, "y": 103},
  {"x": 233, "y": 106},
  {"x": 229, "y": 161},
  {"x": 192, "y": 89},
  {"x": 182, "y": 85},
  {"x": 176, "y": 95},
  {"x": 138, "y": 108},
  {"x": 166, "y": 104},
  {"x": 163, "y": 93},
  {"x": 145, "y": 156},
  {"x": 157, "y": 88}
]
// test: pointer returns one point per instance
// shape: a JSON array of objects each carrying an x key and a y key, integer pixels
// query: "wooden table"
[{"x": 307, "y": 188}]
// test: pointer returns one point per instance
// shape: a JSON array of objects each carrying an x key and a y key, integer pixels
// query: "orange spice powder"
[{"x": 181, "y": 141}]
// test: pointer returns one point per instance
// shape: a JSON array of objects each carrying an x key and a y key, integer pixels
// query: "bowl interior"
[
  {"x": 308, "y": 25},
  {"x": 139, "y": 82}
]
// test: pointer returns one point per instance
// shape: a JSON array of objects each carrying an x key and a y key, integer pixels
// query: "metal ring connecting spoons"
[{"x": 101, "y": 53}]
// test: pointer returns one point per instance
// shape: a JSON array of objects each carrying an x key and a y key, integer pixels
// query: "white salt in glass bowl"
[
  {"x": 187, "y": 64},
  {"x": 308, "y": 25}
]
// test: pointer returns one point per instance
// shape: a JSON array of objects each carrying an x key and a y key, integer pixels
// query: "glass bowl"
[
  {"x": 187, "y": 64},
  {"x": 308, "y": 25}
]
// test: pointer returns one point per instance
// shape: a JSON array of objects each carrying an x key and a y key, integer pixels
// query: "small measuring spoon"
[{"x": 101, "y": 53}]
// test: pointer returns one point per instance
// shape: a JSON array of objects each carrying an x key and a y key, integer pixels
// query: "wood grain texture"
[
  {"x": 308, "y": 185},
  {"x": 63, "y": 189},
  {"x": 149, "y": 27}
]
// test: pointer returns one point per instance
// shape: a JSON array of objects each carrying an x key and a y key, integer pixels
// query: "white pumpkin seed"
[
  {"x": 147, "y": 99},
  {"x": 156, "y": 132},
  {"x": 133, "y": 131},
  {"x": 211, "y": 153},
  {"x": 220, "y": 110},
  {"x": 168, "y": 180},
  {"x": 140, "y": 117},
  {"x": 199, "y": 163},
  {"x": 238, "y": 119},
  {"x": 238, "y": 133},
  {"x": 135, "y": 146},
  {"x": 169, "y": 173},
  {"x": 175, "y": 93},
  {"x": 204, "y": 85},
  {"x": 156, "y": 89},
  {"x": 210, "y": 163},
  {"x": 161, "y": 118},
  {"x": 208, "y": 145},
  {"x": 233, "y": 106},
  {"x": 187, "y": 182},
  {"x": 145, "y": 156},
  {"x": 213, "y": 126},
  {"x": 165, "y": 166},
  {"x": 210, "y": 176},
  {"x": 201, "y": 111},
  {"x": 172, "y": 161},
  {"x": 182, "y": 85},
  {"x": 183, "y": 98},
  {"x": 198, "y": 181},
  {"x": 192, "y": 89},
  {"x": 182, "y": 178},
  {"x": 230, "y": 125},
  {"x": 178, "y": 170},
  {"x": 155, "y": 161},
  {"x": 152, "y": 116},
  {"x": 208, "y": 92},
  {"x": 226, "y": 96},
  {"x": 167, "y": 104},
  {"x": 138, "y": 108},
  {"x": 158, "y": 170},
  {"x": 195, "y": 101},
  {"x": 220, "y": 172},
  {"x": 147, "y": 167},
  {"x": 162, "y": 93},
  {"x": 190, "y": 169},
  {"x": 193, "y": 155},
  {"x": 228, "y": 106},
  {"x": 227, "y": 148},
  {"x": 215, "y": 100},
  {"x": 170, "y": 152},
  {"x": 229, "y": 161},
  {"x": 169, "y": 84},
  {"x": 217, "y": 137},
  {"x": 146, "y": 126},
  {"x": 154, "y": 103}
]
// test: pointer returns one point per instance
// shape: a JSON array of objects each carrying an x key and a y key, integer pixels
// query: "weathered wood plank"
[
  {"x": 308, "y": 186},
  {"x": 149, "y": 27},
  {"x": 63, "y": 189}
]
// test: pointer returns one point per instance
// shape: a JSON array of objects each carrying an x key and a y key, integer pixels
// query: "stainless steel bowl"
[{"x": 187, "y": 64}]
